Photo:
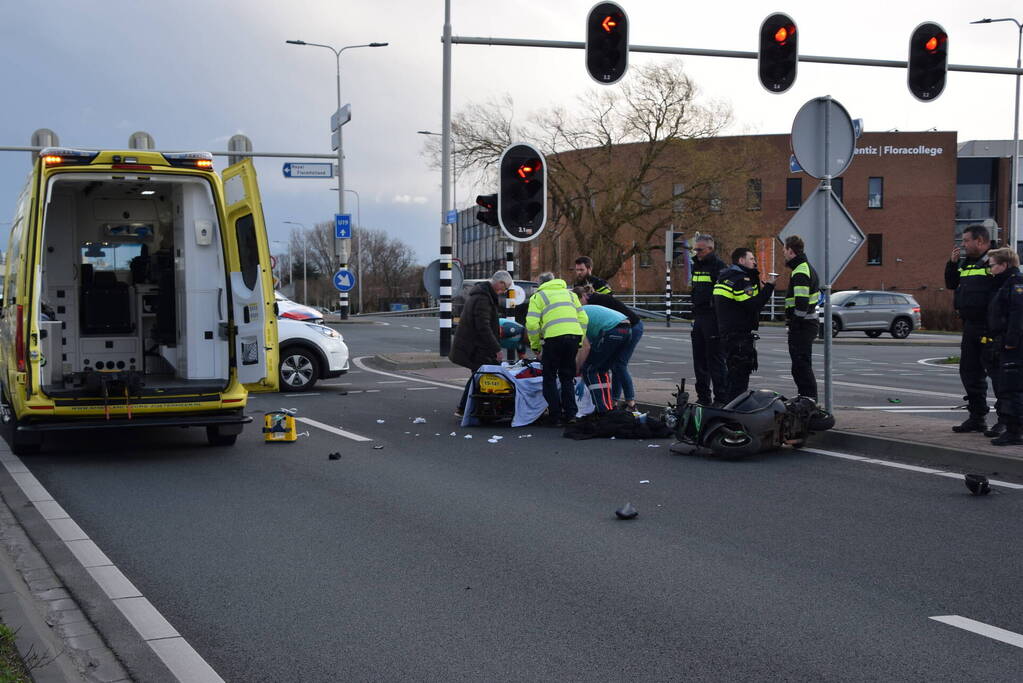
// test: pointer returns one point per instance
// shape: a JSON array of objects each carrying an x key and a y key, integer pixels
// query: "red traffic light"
[
  {"x": 778, "y": 54},
  {"x": 932, "y": 44},
  {"x": 608, "y": 24},
  {"x": 928, "y": 61},
  {"x": 607, "y": 43},
  {"x": 781, "y": 36},
  {"x": 528, "y": 170}
]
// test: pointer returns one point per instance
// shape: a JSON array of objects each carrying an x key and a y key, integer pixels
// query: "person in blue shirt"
[
  {"x": 608, "y": 334},
  {"x": 621, "y": 379}
]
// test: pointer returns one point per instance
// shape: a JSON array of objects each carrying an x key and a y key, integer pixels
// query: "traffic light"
[
  {"x": 607, "y": 43},
  {"x": 679, "y": 247},
  {"x": 522, "y": 196},
  {"x": 779, "y": 53},
  {"x": 489, "y": 203},
  {"x": 928, "y": 61}
]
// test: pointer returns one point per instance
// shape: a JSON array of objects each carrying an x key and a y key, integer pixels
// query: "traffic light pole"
[
  {"x": 736, "y": 54},
  {"x": 667, "y": 295},
  {"x": 445, "y": 193}
]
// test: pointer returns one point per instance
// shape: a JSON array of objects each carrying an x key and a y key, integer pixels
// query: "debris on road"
[
  {"x": 380, "y": 422},
  {"x": 894, "y": 400},
  {"x": 644, "y": 481},
  {"x": 493, "y": 441},
  {"x": 377, "y": 448},
  {"x": 651, "y": 445},
  {"x": 468, "y": 436},
  {"x": 978, "y": 484},
  {"x": 419, "y": 421},
  {"x": 627, "y": 511},
  {"x": 334, "y": 456}
]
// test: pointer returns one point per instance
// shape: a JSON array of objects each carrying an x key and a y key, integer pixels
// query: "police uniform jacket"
[
  {"x": 971, "y": 280},
  {"x": 738, "y": 298},
  {"x": 804, "y": 290},
  {"x": 599, "y": 286},
  {"x": 1005, "y": 312},
  {"x": 705, "y": 275}
]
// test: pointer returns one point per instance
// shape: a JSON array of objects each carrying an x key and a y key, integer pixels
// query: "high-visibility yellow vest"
[{"x": 554, "y": 311}]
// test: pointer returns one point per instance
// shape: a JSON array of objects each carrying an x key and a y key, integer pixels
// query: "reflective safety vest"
[
  {"x": 738, "y": 298},
  {"x": 803, "y": 293},
  {"x": 554, "y": 311}
]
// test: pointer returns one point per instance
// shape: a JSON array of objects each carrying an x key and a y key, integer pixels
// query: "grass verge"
[{"x": 12, "y": 668}]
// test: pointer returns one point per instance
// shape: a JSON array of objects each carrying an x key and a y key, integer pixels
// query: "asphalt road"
[{"x": 438, "y": 557}]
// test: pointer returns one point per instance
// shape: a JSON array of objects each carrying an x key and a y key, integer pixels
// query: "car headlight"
[{"x": 325, "y": 331}]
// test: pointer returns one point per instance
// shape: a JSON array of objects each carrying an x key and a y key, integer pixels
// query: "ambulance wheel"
[
  {"x": 217, "y": 438},
  {"x": 299, "y": 369},
  {"x": 19, "y": 442}
]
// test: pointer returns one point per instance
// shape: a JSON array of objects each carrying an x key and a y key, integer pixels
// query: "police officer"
[
  {"x": 1005, "y": 325},
  {"x": 801, "y": 315},
  {"x": 708, "y": 354},
  {"x": 738, "y": 298},
  {"x": 556, "y": 323},
  {"x": 970, "y": 277},
  {"x": 584, "y": 276}
]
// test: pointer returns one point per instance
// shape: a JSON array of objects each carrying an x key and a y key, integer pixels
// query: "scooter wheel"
[
  {"x": 731, "y": 443},
  {"x": 822, "y": 421}
]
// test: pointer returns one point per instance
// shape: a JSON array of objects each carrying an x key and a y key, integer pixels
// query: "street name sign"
[
  {"x": 343, "y": 226},
  {"x": 341, "y": 117},
  {"x": 344, "y": 280},
  {"x": 292, "y": 170}
]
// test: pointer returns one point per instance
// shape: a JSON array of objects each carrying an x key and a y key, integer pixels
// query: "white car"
[{"x": 309, "y": 352}]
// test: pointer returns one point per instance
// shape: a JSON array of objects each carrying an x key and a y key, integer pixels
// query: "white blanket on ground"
[{"x": 529, "y": 401}]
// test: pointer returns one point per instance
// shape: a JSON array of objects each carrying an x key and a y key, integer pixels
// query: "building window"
[
  {"x": 1019, "y": 196},
  {"x": 715, "y": 197},
  {"x": 646, "y": 194},
  {"x": 875, "y": 249},
  {"x": 677, "y": 204},
  {"x": 793, "y": 193},
  {"x": 838, "y": 187},
  {"x": 754, "y": 194},
  {"x": 644, "y": 259},
  {"x": 875, "y": 193}
]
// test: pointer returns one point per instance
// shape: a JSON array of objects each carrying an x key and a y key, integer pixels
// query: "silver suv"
[{"x": 873, "y": 313}]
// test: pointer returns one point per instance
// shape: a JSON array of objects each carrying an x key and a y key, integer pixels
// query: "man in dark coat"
[
  {"x": 1005, "y": 325},
  {"x": 477, "y": 337}
]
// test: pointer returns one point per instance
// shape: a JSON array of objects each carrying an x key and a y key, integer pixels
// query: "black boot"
[
  {"x": 1010, "y": 437},
  {"x": 996, "y": 429},
  {"x": 972, "y": 424}
]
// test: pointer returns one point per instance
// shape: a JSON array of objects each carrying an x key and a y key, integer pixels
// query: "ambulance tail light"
[
  {"x": 201, "y": 160},
  {"x": 63, "y": 156},
  {"x": 19, "y": 340}
]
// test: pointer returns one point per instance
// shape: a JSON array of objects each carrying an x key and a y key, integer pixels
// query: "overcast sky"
[{"x": 194, "y": 72}]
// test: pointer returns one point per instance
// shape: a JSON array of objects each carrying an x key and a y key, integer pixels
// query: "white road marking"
[
  {"x": 183, "y": 661},
  {"x": 947, "y": 366},
  {"x": 898, "y": 390},
  {"x": 422, "y": 388},
  {"x": 652, "y": 347},
  {"x": 391, "y": 381},
  {"x": 903, "y": 466},
  {"x": 900, "y": 407},
  {"x": 313, "y": 393},
  {"x": 980, "y": 628},
  {"x": 332, "y": 430},
  {"x": 359, "y": 363}
]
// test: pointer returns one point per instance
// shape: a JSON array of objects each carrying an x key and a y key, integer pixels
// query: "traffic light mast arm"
[{"x": 737, "y": 54}]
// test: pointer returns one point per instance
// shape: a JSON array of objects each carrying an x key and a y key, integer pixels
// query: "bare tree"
[{"x": 620, "y": 169}]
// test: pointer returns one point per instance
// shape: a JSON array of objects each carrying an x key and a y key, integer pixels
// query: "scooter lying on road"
[{"x": 756, "y": 421}]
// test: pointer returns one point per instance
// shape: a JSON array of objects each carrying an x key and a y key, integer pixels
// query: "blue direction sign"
[
  {"x": 291, "y": 170},
  {"x": 344, "y": 280},
  {"x": 343, "y": 226}
]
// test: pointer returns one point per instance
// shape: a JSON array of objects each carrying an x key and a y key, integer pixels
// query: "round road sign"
[{"x": 823, "y": 138}]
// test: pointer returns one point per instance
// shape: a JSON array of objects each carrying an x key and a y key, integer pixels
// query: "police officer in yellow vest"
[
  {"x": 708, "y": 353},
  {"x": 801, "y": 300},
  {"x": 556, "y": 323},
  {"x": 970, "y": 277},
  {"x": 738, "y": 298}
]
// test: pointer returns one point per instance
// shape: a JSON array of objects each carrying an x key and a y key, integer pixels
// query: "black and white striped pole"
[
  {"x": 668, "y": 240},
  {"x": 446, "y": 241}
]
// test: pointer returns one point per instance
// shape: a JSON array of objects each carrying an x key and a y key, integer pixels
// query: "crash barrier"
[
  {"x": 652, "y": 306},
  {"x": 410, "y": 313}
]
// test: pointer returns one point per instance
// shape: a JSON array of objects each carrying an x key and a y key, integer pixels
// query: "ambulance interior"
[{"x": 132, "y": 295}]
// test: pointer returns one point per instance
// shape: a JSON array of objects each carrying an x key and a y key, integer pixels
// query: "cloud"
[{"x": 408, "y": 199}]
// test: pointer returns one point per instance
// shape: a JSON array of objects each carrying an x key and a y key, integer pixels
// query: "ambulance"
[{"x": 137, "y": 292}]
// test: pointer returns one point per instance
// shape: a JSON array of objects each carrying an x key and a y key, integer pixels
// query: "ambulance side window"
[
  {"x": 248, "y": 249},
  {"x": 13, "y": 261}
]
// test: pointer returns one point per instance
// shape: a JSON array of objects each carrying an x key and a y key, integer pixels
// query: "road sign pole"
[
  {"x": 444, "y": 311},
  {"x": 826, "y": 187}
]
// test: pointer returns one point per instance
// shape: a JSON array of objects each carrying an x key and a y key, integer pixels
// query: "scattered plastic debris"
[
  {"x": 653, "y": 445},
  {"x": 496, "y": 436},
  {"x": 644, "y": 481},
  {"x": 380, "y": 422},
  {"x": 302, "y": 434},
  {"x": 289, "y": 411},
  {"x": 378, "y": 448},
  {"x": 895, "y": 400},
  {"x": 334, "y": 456},
  {"x": 627, "y": 511},
  {"x": 454, "y": 434},
  {"x": 419, "y": 421},
  {"x": 468, "y": 436},
  {"x": 437, "y": 434},
  {"x": 493, "y": 441}
]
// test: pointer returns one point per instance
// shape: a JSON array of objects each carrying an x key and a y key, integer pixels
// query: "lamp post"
[
  {"x": 454, "y": 201},
  {"x": 340, "y": 249},
  {"x": 305, "y": 261},
  {"x": 358, "y": 241},
  {"x": 1013, "y": 210},
  {"x": 290, "y": 259}
]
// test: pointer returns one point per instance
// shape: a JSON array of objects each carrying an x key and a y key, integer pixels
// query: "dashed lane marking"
[
  {"x": 903, "y": 466},
  {"x": 333, "y": 430},
  {"x": 422, "y": 388}
]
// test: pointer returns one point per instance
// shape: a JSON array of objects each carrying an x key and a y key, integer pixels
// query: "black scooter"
[{"x": 756, "y": 421}]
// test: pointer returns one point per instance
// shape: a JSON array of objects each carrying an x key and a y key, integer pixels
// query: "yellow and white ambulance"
[{"x": 137, "y": 292}]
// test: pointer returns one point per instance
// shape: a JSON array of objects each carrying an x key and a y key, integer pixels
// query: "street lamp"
[
  {"x": 454, "y": 202},
  {"x": 291, "y": 261},
  {"x": 305, "y": 260},
  {"x": 340, "y": 249},
  {"x": 1013, "y": 219}
]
